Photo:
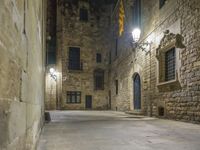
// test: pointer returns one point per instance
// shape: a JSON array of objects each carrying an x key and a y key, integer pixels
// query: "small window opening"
[{"x": 161, "y": 111}]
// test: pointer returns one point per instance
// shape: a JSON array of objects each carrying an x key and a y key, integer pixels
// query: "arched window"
[{"x": 99, "y": 79}]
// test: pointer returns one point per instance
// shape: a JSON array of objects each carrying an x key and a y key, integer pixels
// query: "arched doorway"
[{"x": 137, "y": 92}]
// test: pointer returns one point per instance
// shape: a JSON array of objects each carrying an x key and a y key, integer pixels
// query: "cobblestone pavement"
[{"x": 109, "y": 130}]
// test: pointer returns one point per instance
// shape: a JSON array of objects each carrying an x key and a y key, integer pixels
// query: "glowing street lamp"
[
  {"x": 52, "y": 70},
  {"x": 136, "y": 35},
  {"x": 53, "y": 73}
]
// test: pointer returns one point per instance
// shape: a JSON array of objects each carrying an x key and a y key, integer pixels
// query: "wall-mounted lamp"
[
  {"x": 136, "y": 33},
  {"x": 52, "y": 72}
]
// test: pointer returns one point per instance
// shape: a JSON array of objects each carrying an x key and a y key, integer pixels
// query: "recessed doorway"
[{"x": 137, "y": 92}]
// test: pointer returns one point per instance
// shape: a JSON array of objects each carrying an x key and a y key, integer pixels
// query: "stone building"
[
  {"x": 89, "y": 66},
  {"x": 82, "y": 58},
  {"x": 163, "y": 77},
  {"x": 159, "y": 75},
  {"x": 22, "y": 66},
  {"x": 50, "y": 90}
]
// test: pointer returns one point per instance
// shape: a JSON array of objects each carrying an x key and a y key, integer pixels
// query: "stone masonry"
[
  {"x": 50, "y": 90},
  {"x": 90, "y": 37},
  {"x": 180, "y": 99},
  {"x": 22, "y": 59},
  {"x": 174, "y": 25}
]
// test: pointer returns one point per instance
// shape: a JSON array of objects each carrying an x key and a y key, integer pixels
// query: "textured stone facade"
[
  {"x": 51, "y": 86},
  {"x": 90, "y": 37},
  {"x": 174, "y": 25},
  {"x": 22, "y": 73},
  {"x": 180, "y": 99},
  {"x": 50, "y": 90}
]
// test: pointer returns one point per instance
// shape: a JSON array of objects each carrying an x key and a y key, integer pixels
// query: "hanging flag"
[{"x": 121, "y": 18}]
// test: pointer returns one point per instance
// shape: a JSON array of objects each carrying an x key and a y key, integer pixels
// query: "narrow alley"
[{"x": 113, "y": 74}]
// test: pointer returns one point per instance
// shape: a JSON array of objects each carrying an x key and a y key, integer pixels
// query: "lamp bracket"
[
  {"x": 53, "y": 76},
  {"x": 141, "y": 45}
]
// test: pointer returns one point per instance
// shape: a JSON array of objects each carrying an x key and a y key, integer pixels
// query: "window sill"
[
  {"x": 169, "y": 85},
  {"x": 167, "y": 82}
]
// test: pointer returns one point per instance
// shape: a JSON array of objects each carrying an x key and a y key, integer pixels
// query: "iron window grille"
[
  {"x": 74, "y": 59},
  {"x": 170, "y": 64}
]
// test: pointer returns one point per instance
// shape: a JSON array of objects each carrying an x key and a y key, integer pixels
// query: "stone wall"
[
  {"x": 179, "y": 17},
  {"x": 50, "y": 90},
  {"x": 90, "y": 36},
  {"x": 180, "y": 98},
  {"x": 22, "y": 73},
  {"x": 51, "y": 86}
]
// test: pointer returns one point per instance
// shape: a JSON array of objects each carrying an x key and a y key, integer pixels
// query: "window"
[
  {"x": 168, "y": 56},
  {"x": 137, "y": 13},
  {"x": 116, "y": 87},
  {"x": 74, "y": 58},
  {"x": 83, "y": 14},
  {"x": 73, "y": 97},
  {"x": 98, "y": 58},
  {"x": 99, "y": 79},
  {"x": 170, "y": 63},
  {"x": 161, "y": 3}
]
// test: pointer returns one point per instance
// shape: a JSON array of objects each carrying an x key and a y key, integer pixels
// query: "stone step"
[{"x": 134, "y": 112}]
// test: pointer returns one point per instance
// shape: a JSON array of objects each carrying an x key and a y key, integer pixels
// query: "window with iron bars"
[
  {"x": 74, "y": 59},
  {"x": 73, "y": 97},
  {"x": 170, "y": 64}
]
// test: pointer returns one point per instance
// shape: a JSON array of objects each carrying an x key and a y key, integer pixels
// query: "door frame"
[
  {"x": 86, "y": 101},
  {"x": 133, "y": 84}
]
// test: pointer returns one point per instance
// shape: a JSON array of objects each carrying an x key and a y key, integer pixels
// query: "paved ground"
[{"x": 107, "y": 130}]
